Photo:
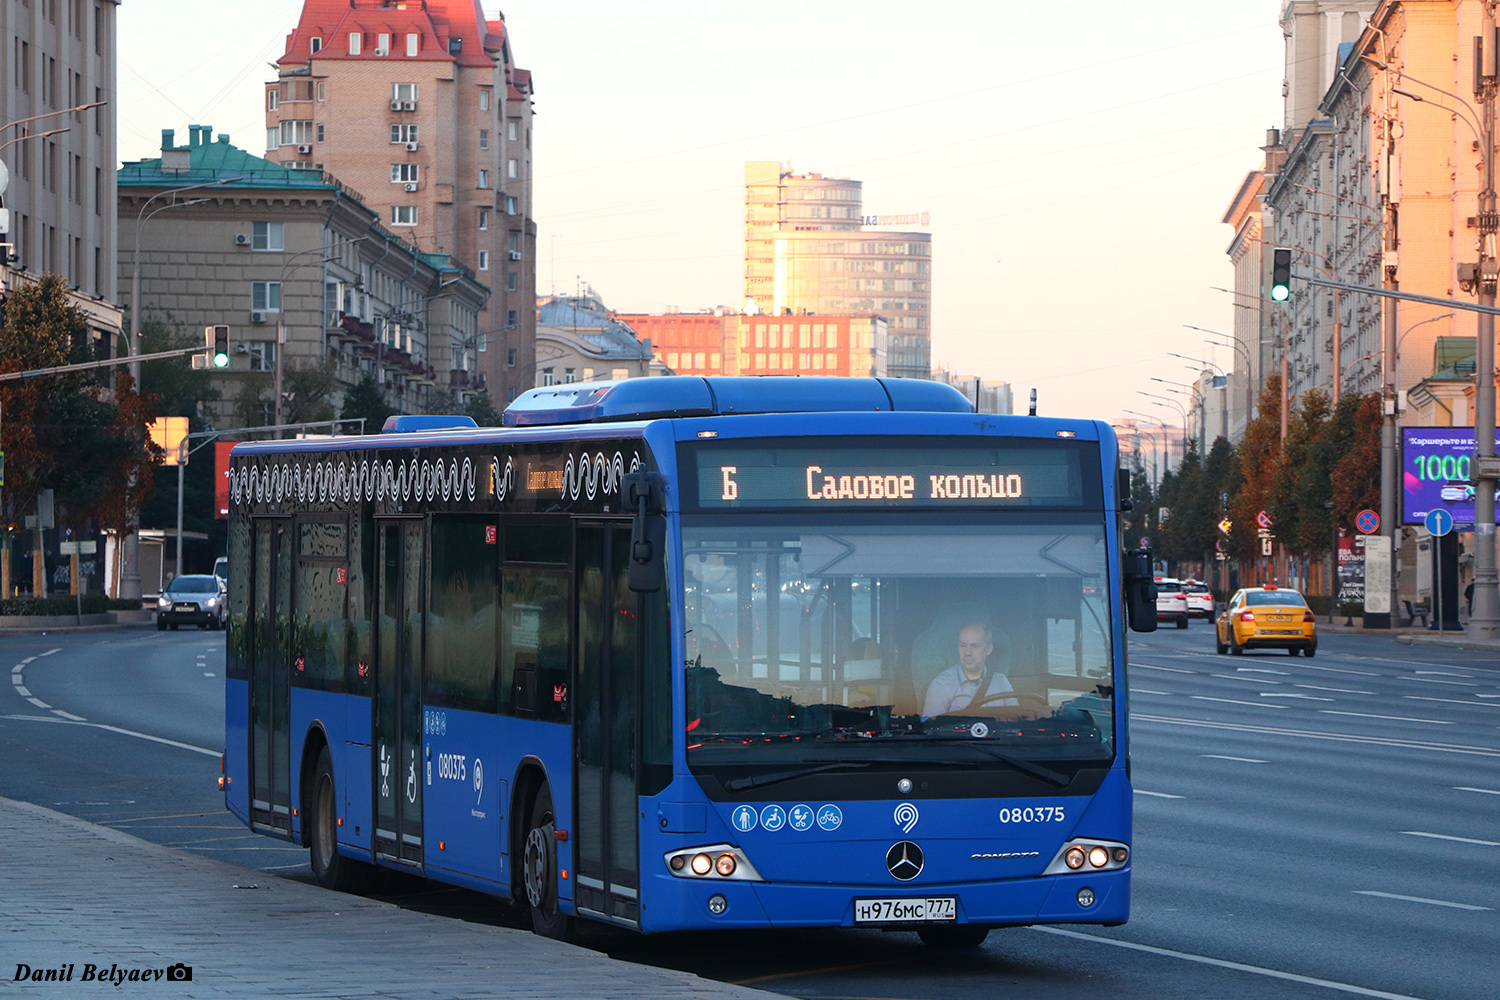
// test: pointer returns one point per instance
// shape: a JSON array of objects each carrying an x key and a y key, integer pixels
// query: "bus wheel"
[
  {"x": 956, "y": 936},
  {"x": 331, "y": 869},
  {"x": 539, "y": 870}
]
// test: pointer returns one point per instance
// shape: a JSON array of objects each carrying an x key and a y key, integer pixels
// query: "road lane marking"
[
  {"x": 1314, "y": 687},
  {"x": 1450, "y": 701},
  {"x": 1155, "y": 795},
  {"x": 1487, "y": 696},
  {"x": 1434, "y": 680},
  {"x": 114, "y": 729},
  {"x": 1485, "y": 791},
  {"x": 49, "y": 652},
  {"x": 1225, "y": 964},
  {"x": 68, "y": 715},
  {"x": 1386, "y": 718},
  {"x": 1419, "y": 899},
  {"x": 1231, "y": 701},
  {"x": 1175, "y": 670},
  {"x": 1294, "y": 694},
  {"x": 1251, "y": 680},
  {"x": 1243, "y": 760},
  {"x": 22, "y": 689},
  {"x": 1340, "y": 670},
  {"x": 209, "y": 674},
  {"x": 39, "y": 703},
  {"x": 1460, "y": 840},
  {"x": 1134, "y": 690},
  {"x": 1242, "y": 727},
  {"x": 1258, "y": 670},
  {"x": 1443, "y": 673}
]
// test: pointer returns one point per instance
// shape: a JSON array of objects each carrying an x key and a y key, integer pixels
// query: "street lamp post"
[
  {"x": 1159, "y": 400},
  {"x": 1484, "y": 621},
  {"x": 1195, "y": 402},
  {"x": 1162, "y": 439},
  {"x": 1234, "y": 343},
  {"x": 1223, "y": 408}
]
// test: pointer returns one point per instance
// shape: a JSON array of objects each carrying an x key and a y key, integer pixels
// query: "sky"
[{"x": 1077, "y": 159}]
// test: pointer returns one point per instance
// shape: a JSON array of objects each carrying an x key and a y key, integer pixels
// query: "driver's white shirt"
[{"x": 951, "y": 691}]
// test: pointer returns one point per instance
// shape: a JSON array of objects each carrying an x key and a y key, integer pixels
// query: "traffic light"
[
  {"x": 1281, "y": 274},
  {"x": 216, "y": 339}
]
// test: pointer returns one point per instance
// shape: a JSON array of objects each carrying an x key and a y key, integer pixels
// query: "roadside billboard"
[{"x": 1435, "y": 472}]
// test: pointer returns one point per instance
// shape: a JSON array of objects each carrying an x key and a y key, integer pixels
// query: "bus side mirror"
[
  {"x": 1140, "y": 591},
  {"x": 648, "y": 531}
]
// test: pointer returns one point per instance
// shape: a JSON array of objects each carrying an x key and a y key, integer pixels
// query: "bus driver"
[{"x": 971, "y": 679}]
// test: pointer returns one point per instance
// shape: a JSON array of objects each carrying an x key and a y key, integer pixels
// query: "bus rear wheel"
[
  {"x": 331, "y": 869},
  {"x": 956, "y": 936},
  {"x": 539, "y": 870}
]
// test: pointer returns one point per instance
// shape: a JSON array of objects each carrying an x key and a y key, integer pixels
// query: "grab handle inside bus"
[
  {"x": 1140, "y": 591},
  {"x": 648, "y": 532}
]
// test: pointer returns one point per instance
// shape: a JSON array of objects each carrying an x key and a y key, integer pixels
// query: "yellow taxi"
[{"x": 1268, "y": 617}]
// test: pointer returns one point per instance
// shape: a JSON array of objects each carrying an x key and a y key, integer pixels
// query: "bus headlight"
[
  {"x": 715, "y": 861},
  {"x": 1086, "y": 853}
]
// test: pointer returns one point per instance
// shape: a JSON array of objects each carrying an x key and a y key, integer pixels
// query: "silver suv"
[{"x": 1171, "y": 601}]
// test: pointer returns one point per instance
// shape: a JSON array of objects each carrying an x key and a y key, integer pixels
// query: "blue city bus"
[{"x": 692, "y": 653}]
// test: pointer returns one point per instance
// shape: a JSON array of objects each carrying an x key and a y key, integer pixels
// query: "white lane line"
[
  {"x": 1419, "y": 899},
  {"x": 1156, "y": 795},
  {"x": 1314, "y": 687},
  {"x": 1251, "y": 680},
  {"x": 114, "y": 729},
  {"x": 1444, "y": 836},
  {"x": 1243, "y": 760},
  {"x": 1487, "y": 696},
  {"x": 17, "y": 680},
  {"x": 1442, "y": 673},
  {"x": 1174, "y": 670},
  {"x": 1434, "y": 680},
  {"x": 1134, "y": 690},
  {"x": 39, "y": 703},
  {"x": 1231, "y": 701},
  {"x": 1225, "y": 964},
  {"x": 1257, "y": 670},
  {"x": 68, "y": 715},
  {"x": 19, "y": 667},
  {"x": 1294, "y": 694},
  {"x": 1450, "y": 701},
  {"x": 1341, "y": 670},
  {"x": 1386, "y": 718},
  {"x": 22, "y": 689},
  {"x": 49, "y": 652},
  {"x": 1485, "y": 791},
  {"x": 1379, "y": 741},
  {"x": 209, "y": 674}
]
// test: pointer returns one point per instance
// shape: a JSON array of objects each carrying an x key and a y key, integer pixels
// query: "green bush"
[
  {"x": 65, "y": 604},
  {"x": 1321, "y": 604}
]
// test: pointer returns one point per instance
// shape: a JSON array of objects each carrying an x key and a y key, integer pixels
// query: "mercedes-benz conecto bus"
[{"x": 680, "y": 652}]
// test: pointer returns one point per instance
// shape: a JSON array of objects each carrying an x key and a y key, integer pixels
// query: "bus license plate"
[{"x": 905, "y": 911}]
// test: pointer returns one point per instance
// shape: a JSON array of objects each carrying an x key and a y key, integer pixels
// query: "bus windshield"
[{"x": 868, "y": 642}]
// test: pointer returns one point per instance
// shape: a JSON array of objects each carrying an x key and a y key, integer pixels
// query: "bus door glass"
[
  {"x": 605, "y": 725},
  {"x": 398, "y": 690},
  {"x": 270, "y": 686}
]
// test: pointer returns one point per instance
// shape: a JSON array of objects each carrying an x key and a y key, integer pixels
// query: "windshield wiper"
[
  {"x": 740, "y": 784},
  {"x": 1019, "y": 763}
]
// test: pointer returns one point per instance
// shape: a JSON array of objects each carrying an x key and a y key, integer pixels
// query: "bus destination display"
[{"x": 801, "y": 477}]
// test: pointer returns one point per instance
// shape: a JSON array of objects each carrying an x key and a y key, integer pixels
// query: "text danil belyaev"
[{"x": 91, "y": 973}]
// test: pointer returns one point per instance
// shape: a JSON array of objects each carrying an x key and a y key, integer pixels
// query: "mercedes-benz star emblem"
[{"x": 904, "y": 860}]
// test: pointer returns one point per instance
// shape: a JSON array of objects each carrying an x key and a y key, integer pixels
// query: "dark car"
[{"x": 192, "y": 599}]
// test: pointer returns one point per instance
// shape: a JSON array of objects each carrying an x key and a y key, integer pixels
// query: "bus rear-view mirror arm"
[{"x": 648, "y": 531}]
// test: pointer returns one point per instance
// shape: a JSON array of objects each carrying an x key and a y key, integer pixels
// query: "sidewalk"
[
  {"x": 98, "y": 903},
  {"x": 1415, "y": 636}
]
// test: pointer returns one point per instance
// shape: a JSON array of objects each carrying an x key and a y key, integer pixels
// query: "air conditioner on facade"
[
  {"x": 304, "y": 149},
  {"x": 411, "y": 147},
  {"x": 409, "y": 106},
  {"x": 395, "y": 105},
  {"x": 242, "y": 348},
  {"x": 411, "y": 185},
  {"x": 241, "y": 239},
  {"x": 515, "y": 255},
  {"x": 256, "y": 316},
  {"x": 382, "y": 52}
]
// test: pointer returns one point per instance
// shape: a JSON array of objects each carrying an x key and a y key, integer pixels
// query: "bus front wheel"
[
  {"x": 331, "y": 869},
  {"x": 539, "y": 870}
]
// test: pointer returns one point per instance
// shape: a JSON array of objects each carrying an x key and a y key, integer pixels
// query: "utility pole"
[{"x": 1485, "y": 620}]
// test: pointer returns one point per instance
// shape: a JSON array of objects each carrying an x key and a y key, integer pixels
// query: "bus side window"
[{"x": 534, "y": 646}]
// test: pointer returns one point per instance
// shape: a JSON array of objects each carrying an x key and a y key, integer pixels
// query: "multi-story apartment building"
[
  {"x": 421, "y": 109},
  {"x": 579, "y": 340},
  {"x": 291, "y": 255},
  {"x": 807, "y": 251},
  {"x": 721, "y": 342},
  {"x": 59, "y": 55}
]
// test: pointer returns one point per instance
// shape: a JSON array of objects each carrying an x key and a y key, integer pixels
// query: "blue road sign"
[{"x": 1439, "y": 522}]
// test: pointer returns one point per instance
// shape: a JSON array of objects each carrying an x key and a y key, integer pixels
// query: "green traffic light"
[
  {"x": 221, "y": 361},
  {"x": 1279, "y": 293}
]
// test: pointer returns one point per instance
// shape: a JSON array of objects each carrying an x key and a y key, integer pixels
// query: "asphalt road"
[{"x": 1303, "y": 827}]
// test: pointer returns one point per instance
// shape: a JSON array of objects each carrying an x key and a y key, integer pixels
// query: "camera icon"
[{"x": 179, "y": 973}]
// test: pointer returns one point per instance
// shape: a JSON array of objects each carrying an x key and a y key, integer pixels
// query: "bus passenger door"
[
  {"x": 398, "y": 693},
  {"x": 606, "y": 701},
  {"x": 269, "y": 623}
]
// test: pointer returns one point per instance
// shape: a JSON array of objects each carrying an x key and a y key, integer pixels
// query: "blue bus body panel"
[
  {"x": 354, "y": 763},
  {"x": 313, "y": 710},
  {"x": 237, "y": 748}
]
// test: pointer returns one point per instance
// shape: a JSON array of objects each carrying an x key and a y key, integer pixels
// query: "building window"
[
  {"x": 484, "y": 179},
  {"x": 588, "y": 374},
  {"x": 510, "y": 358},
  {"x": 484, "y": 138},
  {"x": 263, "y": 357},
  {"x": 620, "y": 374},
  {"x": 297, "y": 133},
  {"x": 547, "y": 376},
  {"x": 510, "y": 394},
  {"x": 403, "y": 215},
  {"x": 265, "y": 296},
  {"x": 412, "y": 41},
  {"x": 510, "y": 319},
  {"x": 455, "y": 46},
  {"x": 273, "y": 137},
  {"x": 267, "y": 236},
  {"x": 403, "y": 133},
  {"x": 484, "y": 99},
  {"x": 510, "y": 281},
  {"x": 510, "y": 168},
  {"x": 484, "y": 260},
  {"x": 484, "y": 219},
  {"x": 570, "y": 375},
  {"x": 383, "y": 44},
  {"x": 315, "y": 44},
  {"x": 322, "y": 91},
  {"x": 403, "y": 91},
  {"x": 510, "y": 131},
  {"x": 403, "y": 173},
  {"x": 356, "y": 40},
  {"x": 510, "y": 204},
  {"x": 320, "y": 133},
  {"x": 512, "y": 242},
  {"x": 273, "y": 96}
]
